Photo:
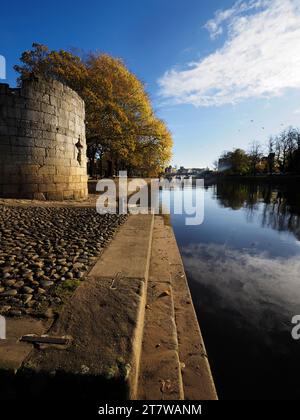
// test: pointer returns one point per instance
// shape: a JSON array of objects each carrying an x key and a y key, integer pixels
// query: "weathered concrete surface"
[
  {"x": 160, "y": 376},
  {"x": 105, "y": 318},
  {"x": 107, "y": 323},
  {"x": 197, "y": 379},
  {"x": 129, "y": 254},
  {"x": 13, "y": 352},
  {"x": 174, "y": 363}
]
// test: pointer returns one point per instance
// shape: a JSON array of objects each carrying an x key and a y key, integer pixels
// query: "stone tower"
[{"x": 42, "y": 142}]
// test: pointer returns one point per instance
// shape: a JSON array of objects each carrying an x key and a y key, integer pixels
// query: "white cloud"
[
  {"x": 215, "y": 25},
  {"x": 245, "y": 282},
  {"x": 260, "y": 57},
  {"x": 297, "y": 111}
]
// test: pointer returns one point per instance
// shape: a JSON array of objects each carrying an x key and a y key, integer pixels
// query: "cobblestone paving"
[{"x": 45, "y": 253}]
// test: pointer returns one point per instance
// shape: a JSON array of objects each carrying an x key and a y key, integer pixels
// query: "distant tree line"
[
  {"x": 281, "y": 208},
  {"x": 122, "y": 130},
  {"x": 281, "y": 155}
]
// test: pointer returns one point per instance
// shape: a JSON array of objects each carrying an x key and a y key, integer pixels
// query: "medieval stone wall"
[{"x": 42, "y": 142}]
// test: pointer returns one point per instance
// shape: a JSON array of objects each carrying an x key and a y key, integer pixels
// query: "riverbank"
[
  {"x": 270, "y": 179},
  {"x": 174, "y": 363},
  {"x": 103, "y": 326},
  {"x": 242, "y": 264}
]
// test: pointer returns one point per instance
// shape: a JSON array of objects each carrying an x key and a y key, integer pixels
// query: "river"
[{"x": 243, "y": 269}]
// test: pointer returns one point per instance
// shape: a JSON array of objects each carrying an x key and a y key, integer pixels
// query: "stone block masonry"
[{"x": 42, "y": 142}]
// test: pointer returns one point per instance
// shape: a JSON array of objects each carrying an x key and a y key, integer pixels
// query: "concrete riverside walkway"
[
  {"x": 131, "y": 327},
  {"x": 104, "y": 319},
  {"x": 198, "y": 383},
  {"x": 174, "y": 363}
]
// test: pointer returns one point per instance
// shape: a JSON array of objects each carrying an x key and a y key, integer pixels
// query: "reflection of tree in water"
[
  {"x": 281, "y": 205},
  {"x": 230, "y": 195},
  {"x": 283, "y": 212}
]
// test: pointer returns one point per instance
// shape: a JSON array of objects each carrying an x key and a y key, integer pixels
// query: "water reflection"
[
  {"x": 281, "y": 205},
  {"x": 247, "y": 283},
  {"x": 243, "y": 266}
]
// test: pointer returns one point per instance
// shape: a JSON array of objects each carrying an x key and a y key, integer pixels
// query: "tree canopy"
[
  {"x": 122, "y": 128},
  {"x": 235, "y": 162},
  {"x": 281, "y": 155}
]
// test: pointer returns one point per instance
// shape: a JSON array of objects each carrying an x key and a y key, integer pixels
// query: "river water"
[{"x": 243, "y": 268}]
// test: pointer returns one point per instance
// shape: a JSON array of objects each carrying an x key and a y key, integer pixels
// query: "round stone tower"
[{"x": 42, "y": 142}]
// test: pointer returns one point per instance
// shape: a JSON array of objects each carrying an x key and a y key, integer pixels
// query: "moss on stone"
[{"x": 64, "y": 289}]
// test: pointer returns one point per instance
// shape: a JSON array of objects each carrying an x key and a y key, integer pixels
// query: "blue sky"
[{"x": 210, "y": 66}]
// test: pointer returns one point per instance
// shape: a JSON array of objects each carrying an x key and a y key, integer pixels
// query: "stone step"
[
  {"x": 198, "y": 383},
  {"x": 13, "y": 351},
  {"x": 160, "y": 375},
  {"x": 105, "y": 318},
  {"x": 174, "y": 363}
]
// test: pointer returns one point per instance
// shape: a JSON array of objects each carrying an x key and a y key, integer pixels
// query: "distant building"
[
  {"x": 197, "y": 171},
  {"x": 185, "y": 171}
]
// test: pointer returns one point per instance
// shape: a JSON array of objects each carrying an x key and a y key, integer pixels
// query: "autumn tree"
[
  {"x": 283, "y": 154},
  {"x": 235, "y": 162},
  {"x": 122, "y": 129}
]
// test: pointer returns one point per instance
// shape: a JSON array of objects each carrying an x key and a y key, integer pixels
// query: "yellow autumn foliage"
[{"x": 121, "y": 125}]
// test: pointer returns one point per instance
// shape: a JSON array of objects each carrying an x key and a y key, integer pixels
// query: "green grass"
[{"x": 66, "y": 288}]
